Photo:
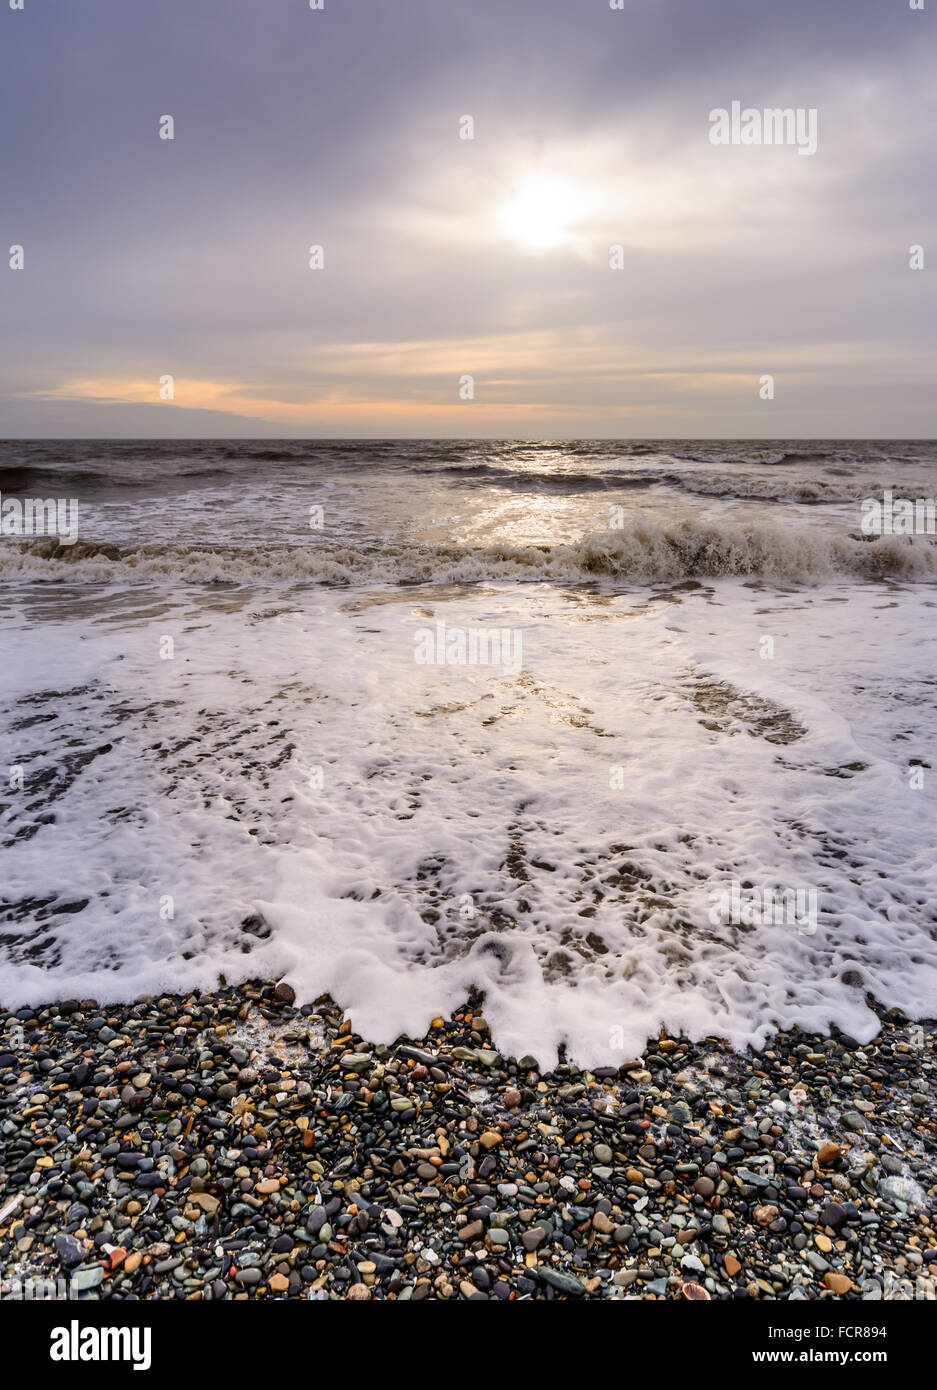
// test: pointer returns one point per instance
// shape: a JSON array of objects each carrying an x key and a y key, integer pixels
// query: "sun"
[{"x": 540, "y": 214}]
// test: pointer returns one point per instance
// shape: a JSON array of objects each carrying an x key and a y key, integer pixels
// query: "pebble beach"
[{"x": 228, "y": 1145}]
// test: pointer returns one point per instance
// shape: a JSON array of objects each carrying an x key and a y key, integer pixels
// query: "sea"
[{"x": 629, "y": 736}]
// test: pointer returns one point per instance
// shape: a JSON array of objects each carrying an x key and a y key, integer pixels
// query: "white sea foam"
[{"x": 292, "y": 768}]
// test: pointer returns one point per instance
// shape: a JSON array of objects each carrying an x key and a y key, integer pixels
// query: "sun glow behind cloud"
[
  {"x": 540, "y": 214},
  {"x": 662, "y": 194}
]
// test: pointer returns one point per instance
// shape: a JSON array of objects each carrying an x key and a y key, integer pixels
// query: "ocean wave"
[
  {"x": 52, "y": 480},
  {"x": 643, "y": 551},
  {"x": 64, "y": 481},
  {"x": 738, "y": 484},
  {"x": 770, "y": 489}
]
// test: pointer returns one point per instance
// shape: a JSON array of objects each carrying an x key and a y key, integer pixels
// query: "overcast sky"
[{"x": 447, "y": 257}]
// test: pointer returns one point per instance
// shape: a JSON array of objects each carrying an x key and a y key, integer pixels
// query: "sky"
[{"x": 466, "y": 286}]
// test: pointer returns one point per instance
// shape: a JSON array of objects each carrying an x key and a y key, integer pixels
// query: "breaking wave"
[{"x": 642, "y": 552}]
